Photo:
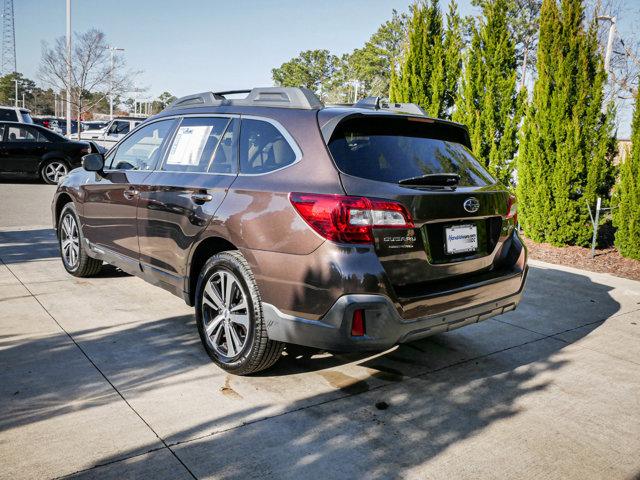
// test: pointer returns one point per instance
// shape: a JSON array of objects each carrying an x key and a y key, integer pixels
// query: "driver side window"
[
  {"x": 119, "y": 127},
  {"x": 142, "y": 149}
]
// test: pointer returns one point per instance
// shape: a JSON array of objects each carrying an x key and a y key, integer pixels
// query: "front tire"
[
  {"x": 53, "y": 170},
  {"x": 73, "y": 252},
  {"x": 229, "y": 316}
]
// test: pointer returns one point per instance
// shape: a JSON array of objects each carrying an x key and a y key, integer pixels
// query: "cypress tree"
[
  {"x": 626, "y": 212},
  {"x": 565, "y": 152},
  {"x": 429, "y": 71},
  {"x": 489, "y": 103}
]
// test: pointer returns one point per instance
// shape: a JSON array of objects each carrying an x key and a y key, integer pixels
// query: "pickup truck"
[{"x": 108, "y": 136}]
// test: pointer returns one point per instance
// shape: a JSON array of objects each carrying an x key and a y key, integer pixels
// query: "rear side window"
[
  {"x": 8, "y": 115},
  {"x": 25, "y": 134},
  {"x": 197, "y": 146},
  {"x": 393, "y": 149},
  {"x": 263, "y": 148}
]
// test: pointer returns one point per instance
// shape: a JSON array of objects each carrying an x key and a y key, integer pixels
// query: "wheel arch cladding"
[
  {"x": 62, "y": 200},
  {"x": 203, "y": 251}
]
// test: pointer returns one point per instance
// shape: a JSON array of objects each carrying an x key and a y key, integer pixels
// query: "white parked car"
[
  {"x": 15, "y": 114},
  {"x": 108, "y": 136}
]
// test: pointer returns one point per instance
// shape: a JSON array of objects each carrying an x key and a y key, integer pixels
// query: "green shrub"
[{"x": 626, "y": 213}]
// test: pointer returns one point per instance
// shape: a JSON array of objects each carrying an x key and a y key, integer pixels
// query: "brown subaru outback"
[{"x": 287, "y": 222}]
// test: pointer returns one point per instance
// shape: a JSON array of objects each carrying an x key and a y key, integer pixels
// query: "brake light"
[
  {"x": 512, "y": 208},
  {"x": 347, "y": 219},
  {"x": 357, "y": 324}
]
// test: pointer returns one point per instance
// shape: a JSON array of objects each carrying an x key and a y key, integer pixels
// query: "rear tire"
[
  {"x": 53, "y": 170},
  {"x": 230, "y": 318},
  {"x": 73, "y": 251}
]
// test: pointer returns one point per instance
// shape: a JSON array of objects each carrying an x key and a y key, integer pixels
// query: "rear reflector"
[
  {"x": 348, "y": 219},
  {"x": 357, "y": 325}
]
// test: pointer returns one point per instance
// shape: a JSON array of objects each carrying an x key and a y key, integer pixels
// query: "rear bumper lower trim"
[{"x": 384, "y": 326}]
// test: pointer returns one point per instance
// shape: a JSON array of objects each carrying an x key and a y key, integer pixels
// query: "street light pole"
[
  {"x": 112, "y": 50},
  {"x": 612, "y": 34},
  {"x": 68, "y": 67},
  {"x": 16, "y": 98}
]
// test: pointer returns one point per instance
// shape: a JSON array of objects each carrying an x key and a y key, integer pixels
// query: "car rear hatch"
[{"x": 459, "y": 212}]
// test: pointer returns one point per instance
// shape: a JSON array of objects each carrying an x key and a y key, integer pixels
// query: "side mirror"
[{"x": 93, "y": 162}]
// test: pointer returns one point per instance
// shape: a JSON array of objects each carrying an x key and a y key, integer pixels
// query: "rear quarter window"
[
  {"x": 264, "y": 147},
  {"x": 393, "y": 149}
]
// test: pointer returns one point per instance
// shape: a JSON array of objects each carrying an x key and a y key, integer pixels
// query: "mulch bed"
[{"x": 607, "y": 260}]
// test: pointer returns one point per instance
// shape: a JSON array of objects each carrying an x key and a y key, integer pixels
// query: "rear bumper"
[{"x": 384, "y": 325}]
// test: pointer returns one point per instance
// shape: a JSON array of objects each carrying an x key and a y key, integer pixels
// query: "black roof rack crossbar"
[
  {"x": 230, "y": 92},
  {"x": 283, "y": 97},
  {"x": 379, "y": 103}
]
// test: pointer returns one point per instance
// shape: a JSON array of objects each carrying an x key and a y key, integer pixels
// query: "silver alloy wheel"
[
  {"x": 70, "y": 241},
  {"x": 54, "y": 171},
  {"x": 225, "y": 313}
]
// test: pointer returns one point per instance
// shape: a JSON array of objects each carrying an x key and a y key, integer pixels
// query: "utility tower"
[{"x": 8, "y": 60}]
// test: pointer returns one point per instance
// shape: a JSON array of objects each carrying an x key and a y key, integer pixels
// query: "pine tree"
[
  {"x": 564, "y": 159},
  {"x": 626, "y": 212},
  {"x": 489, "y": 103},
  {"x": 428, "y": 73}
]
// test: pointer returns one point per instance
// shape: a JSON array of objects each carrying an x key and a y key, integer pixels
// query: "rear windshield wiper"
[{"x": 450, "y": 180}]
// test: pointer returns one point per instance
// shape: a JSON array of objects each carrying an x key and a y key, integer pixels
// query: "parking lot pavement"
[{"x": 105, "y": 378}]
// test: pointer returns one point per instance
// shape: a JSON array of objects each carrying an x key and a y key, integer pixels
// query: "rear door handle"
[
  {"x": 201, "y": 197},
  {"x": 131, "y": 193}
]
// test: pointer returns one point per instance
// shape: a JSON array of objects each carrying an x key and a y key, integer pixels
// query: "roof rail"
[
  {"x": 379, "y": 103},
  {"x": 283, "y": 97}
]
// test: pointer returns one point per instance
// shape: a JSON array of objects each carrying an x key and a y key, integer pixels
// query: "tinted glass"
[
  {"x": 390, "y": 150},
  {"x": 263, "y": 148},
  {"x": 24, "y": 134},
  {"x": 225, "y": 159},
  {"x": 119, "y": 127},
  {"x": 142, "y": 149},
  {"x": 195, "y": 143},
  {"x": 8, "y": 115}
]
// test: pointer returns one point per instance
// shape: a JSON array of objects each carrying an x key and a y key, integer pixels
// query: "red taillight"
[
  {"x": 347, "y": 219},
  {"x": 45, "y": 123},
  {"x": 357, "y": 324},
  {"x": 512, "y": 209}
]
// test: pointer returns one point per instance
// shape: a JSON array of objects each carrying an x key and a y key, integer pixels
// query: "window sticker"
[{"x": 188, "y": 145}]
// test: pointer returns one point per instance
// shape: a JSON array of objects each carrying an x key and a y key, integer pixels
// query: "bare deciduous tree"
[{"x": 93, "y": 71}]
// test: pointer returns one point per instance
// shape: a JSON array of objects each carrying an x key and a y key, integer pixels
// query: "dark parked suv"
[{"x": 287, "y": 222}]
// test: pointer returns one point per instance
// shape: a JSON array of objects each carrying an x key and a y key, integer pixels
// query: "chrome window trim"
[
  {"x": 285, "y": 133},
  {"x": 162, "y": 163},
  {"x": 287, "y": 136}
]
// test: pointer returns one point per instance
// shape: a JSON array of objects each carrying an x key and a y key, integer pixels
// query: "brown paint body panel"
[{"x": 297, "y": 271}]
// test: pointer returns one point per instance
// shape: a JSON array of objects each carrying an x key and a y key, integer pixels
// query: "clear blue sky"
[{"x": 187, "y": 46}]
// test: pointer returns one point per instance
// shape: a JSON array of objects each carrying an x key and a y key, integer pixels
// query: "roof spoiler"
[
  {"x": 283, "y": 97},
  {"x": 379, "y": 103}
]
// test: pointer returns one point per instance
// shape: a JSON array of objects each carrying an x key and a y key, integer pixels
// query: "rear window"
[
  {"x": 26, "y": 117},
  {"x": 392, "y": 149}
]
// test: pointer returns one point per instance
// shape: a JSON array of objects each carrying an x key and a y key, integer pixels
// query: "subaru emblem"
[{"x": 471, "y": 205}]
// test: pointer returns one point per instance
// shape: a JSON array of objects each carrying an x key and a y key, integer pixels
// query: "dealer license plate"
[{"x": 461, "y": 239}]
